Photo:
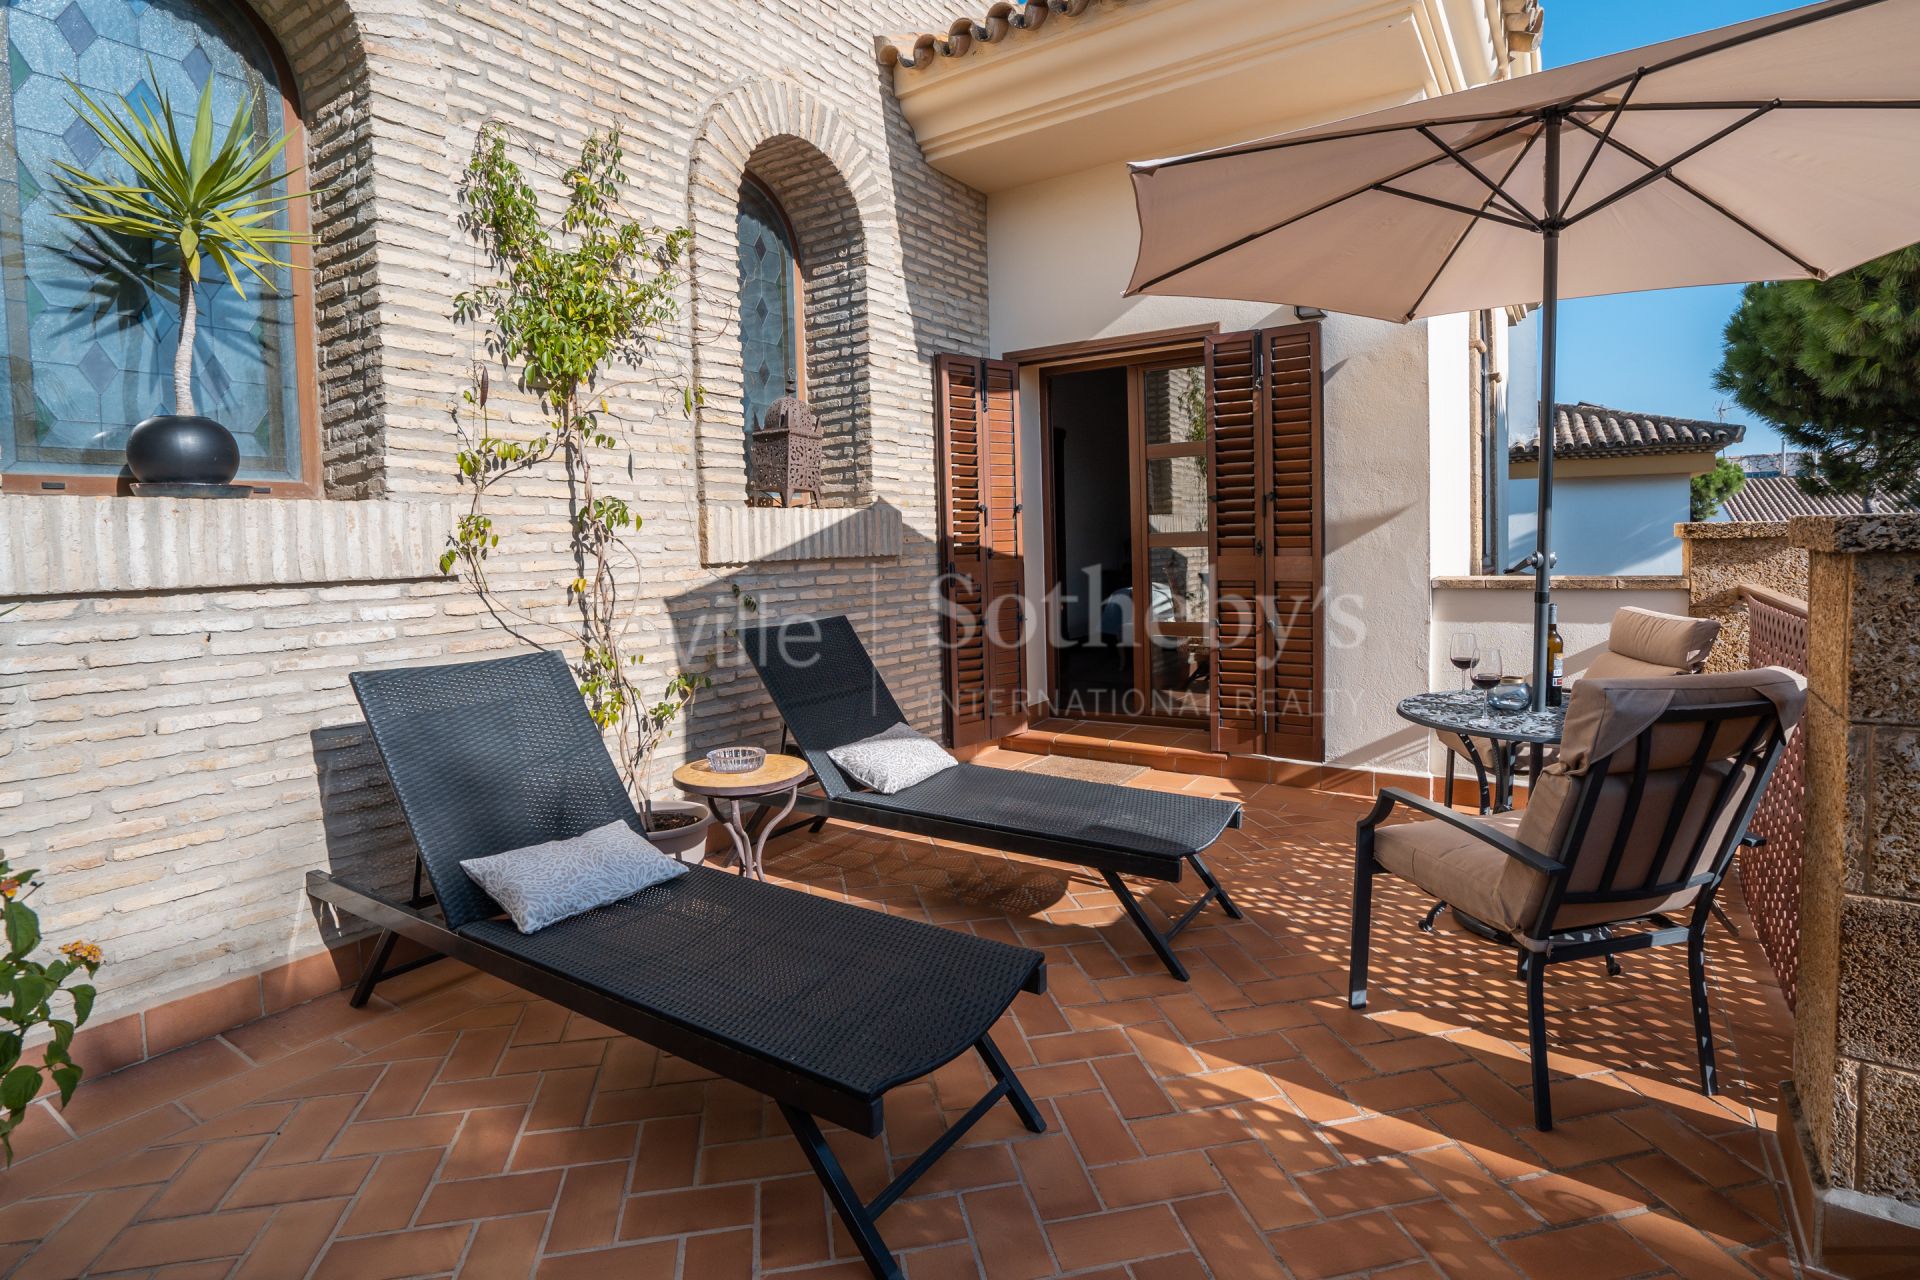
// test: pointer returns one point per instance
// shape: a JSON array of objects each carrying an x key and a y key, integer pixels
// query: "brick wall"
[{"x": 176, "y": 758}]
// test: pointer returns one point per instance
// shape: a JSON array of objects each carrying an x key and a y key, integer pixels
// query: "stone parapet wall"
[
  {"x": 176, "y": 751},
  {"x": 1857, "y": 1032},
  {"x": 1721, "y": 557}
]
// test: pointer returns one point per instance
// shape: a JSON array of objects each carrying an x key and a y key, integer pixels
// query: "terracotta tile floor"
[{"x": 1244, "y": 1126}]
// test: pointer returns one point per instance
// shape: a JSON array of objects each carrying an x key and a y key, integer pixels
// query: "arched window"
[
  {"x": 88, "y": 339},
  {"x": 773, "y": 359}
]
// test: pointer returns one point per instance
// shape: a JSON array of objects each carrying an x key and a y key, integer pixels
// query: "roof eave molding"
[{"x": 1025, "y": 93}]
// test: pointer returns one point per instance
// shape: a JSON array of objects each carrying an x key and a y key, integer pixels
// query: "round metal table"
[
  {"x": 777, "y": 776},
  {"x": 1464, "y": 713}
]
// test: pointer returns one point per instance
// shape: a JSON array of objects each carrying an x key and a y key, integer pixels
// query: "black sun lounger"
[
  {"x": 820, "y": 1005},
  {"x": 826, "y": 688}
]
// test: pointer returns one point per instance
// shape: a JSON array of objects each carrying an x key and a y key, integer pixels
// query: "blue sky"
[{"x": 1649, "y": 352}]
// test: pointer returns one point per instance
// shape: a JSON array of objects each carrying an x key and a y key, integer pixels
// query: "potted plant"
[
  {"x": 575, "y": 296},
  {"x": 200, "y": 201},
  {"x": 29, "y": 989},
  {"x": 676, "y": 827}
]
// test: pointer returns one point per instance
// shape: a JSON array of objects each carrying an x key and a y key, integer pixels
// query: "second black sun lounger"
[
  {"x": 820, "y": 1005},
  {"x": 828, "y": 691}
]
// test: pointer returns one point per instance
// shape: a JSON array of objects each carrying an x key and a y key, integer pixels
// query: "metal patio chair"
[
  {"x": 1635, "y": 823},
  {"x": 820, "y": 1005}
]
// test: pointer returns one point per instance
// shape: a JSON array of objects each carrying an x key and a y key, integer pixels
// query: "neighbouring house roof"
[
  {"x": 1769, "y": 498},
  {"x": 1786, "y": 463},
  {"x": 1594, "y": 431}
]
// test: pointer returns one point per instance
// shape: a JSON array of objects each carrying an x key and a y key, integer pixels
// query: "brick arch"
[
  {"x": 343, "y": 56},
  {"x": 835, "y": 191}
]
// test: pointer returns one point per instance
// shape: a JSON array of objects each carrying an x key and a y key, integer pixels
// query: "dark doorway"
[
  {"x": 1128, "y": 525},
  {"x": 1093, "y": 542}
]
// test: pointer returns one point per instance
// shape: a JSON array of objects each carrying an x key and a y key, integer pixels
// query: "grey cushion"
[
  {"x": 545, "y": 883},
  {"x": 893, "y": 759}
]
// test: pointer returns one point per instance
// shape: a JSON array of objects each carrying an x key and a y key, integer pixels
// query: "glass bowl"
[
  {"x": 736, "y": 759},
  {"x": 1510, "y": 696}
]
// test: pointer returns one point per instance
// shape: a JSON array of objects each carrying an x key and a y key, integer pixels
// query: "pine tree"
[
  {"x": 1711, "y": 489},
  {"x": 1835, "y": 366}
]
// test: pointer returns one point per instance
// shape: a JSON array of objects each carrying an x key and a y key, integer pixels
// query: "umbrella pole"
[{"x": 1549, "y": 358}]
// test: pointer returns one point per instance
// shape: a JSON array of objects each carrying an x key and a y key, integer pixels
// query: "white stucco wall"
[
  {"x": 1377, "y": 473},
  {"x": 1449, "y": 453},
  {"x": 1059, "y": 254},
  {"x": 1604, "y": 524}
]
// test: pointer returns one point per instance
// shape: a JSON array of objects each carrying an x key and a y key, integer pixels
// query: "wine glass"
[
  {"x": 1486, "y": 678},
  {"x": 1464, "y": 652}
]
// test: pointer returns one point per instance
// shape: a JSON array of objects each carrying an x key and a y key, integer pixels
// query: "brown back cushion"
[
  {"x": 1604, "y": 718},
  {"x": 1668, "y": 641}
]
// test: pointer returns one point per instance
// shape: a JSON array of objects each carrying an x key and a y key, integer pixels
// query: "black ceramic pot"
[{"x": 170, "y": 448}]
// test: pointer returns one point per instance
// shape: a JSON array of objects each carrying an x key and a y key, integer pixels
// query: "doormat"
[{"x": 1086, "y": 770}]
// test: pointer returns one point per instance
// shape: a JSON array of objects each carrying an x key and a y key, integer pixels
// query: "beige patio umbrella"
[{"x": 1786, "y": 147}]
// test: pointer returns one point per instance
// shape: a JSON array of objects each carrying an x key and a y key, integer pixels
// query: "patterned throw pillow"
[
  {"x": 543, "y": 884},
  {"x": 892, "y": 760}
]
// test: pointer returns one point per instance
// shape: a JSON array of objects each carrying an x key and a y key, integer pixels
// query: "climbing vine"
[{"x": 575, "y": 296}]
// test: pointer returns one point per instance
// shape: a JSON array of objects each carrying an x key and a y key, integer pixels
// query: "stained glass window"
[
  {"x": 89, "y": 341},
  {"x": 769, "y": 347}
]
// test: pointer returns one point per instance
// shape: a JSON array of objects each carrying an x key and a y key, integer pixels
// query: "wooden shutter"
[
  {"x": 982, "y": 547},
  {"x": 1263, "y": 404},
  {"x": 1237, "y": 465},
  {"x": 1295, "y": 711}
]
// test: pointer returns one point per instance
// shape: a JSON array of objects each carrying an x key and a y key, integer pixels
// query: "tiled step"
[{"x": 1188, "y": 751}]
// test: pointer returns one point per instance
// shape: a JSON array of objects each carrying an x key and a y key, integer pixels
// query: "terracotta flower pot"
[{"x": 686, "y": 842}]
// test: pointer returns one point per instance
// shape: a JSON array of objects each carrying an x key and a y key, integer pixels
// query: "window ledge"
[
  {"x": 54, "y": 546},
  {"x": 1565, "y": 582},
  {"x": 739, "y": 534}
]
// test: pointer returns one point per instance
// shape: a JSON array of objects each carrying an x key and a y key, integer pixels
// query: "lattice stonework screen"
[
  {"x": 1770, "y": 875},
  {"x": 89, "y": 340}
]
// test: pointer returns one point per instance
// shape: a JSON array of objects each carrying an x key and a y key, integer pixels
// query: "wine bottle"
[{"x": 1556, "y": 658}]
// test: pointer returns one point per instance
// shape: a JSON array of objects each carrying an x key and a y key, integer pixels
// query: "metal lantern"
[{"x": 786, "y": 452}]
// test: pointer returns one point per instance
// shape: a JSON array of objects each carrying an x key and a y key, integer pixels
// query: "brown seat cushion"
[
  {"x": 1464, "y": 871},
  {"x": 1474, "y": 876}
]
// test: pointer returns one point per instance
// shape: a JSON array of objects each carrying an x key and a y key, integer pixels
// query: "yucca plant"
[{"x": 205, "y": 200}]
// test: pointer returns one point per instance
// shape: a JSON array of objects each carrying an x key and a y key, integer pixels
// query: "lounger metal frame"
[
  {"x": 802, "y": 1100},
  {"x": 1111, "y": 864},
  {"x": 557, "y": 778},
  {"x": 850, "y": 664}
]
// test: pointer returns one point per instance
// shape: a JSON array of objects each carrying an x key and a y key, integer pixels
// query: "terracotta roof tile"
[
  {"x": 1765, "y": 498},
  {"x": 1002, "y": 20},
  {"x": 1594, "y": 431}
]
